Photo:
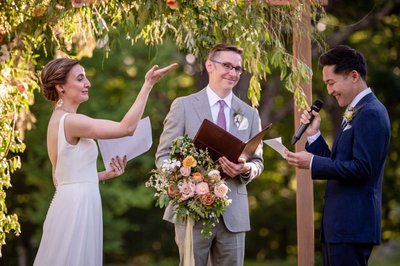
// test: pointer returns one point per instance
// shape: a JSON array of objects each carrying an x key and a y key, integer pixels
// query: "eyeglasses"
[{"x": 228, "y": 66}]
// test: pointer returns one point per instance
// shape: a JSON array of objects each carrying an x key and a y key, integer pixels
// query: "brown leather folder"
[{"x": 220, "y": 143}]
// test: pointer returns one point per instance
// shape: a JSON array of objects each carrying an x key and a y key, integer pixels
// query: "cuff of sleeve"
[
  {"x": 313, "y": 138},
  {"x": 312, "y": 158},
  {"x": 246, "y": 175}
]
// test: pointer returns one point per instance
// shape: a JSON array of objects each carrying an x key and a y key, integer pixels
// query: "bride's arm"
[{"x": 81, "y": 126}]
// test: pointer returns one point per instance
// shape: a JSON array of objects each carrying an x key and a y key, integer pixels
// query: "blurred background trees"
[{"x": 134, "y": 232}]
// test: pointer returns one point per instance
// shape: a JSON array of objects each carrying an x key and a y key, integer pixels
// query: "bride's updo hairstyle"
[{"x": 56, "y": 72}]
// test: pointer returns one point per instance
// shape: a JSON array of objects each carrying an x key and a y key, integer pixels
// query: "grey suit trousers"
[{"x": 226, "y": 248}]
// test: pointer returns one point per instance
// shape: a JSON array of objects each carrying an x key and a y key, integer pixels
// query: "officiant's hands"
[
  {"x": 234, "y": 169},
  {"x": 118, "y": 165}
]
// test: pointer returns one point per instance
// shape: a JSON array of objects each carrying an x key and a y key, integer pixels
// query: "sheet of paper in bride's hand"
[
  {"x": 131, "y": 146},
  {"x": 277, "y": 145}
]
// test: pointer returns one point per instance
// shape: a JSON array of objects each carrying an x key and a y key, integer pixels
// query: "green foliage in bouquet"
[{"x": 191, "y": 182}]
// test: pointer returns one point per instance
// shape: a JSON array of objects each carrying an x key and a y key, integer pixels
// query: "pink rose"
[
  {"x": 202, "y": 188},
  {"x": 187, "y": 190},
  {"x": 185, "y": 171},
  {"x": 221, "y": 190},
  {"x": 172, "y": 4}
]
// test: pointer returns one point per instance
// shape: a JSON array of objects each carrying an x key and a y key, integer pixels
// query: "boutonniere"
[
  {"x": 240, "y": 120},
  {"x": 351, "y": 112}
]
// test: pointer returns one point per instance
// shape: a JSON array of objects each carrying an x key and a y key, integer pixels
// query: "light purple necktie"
[{"x": 221, "y": 121}]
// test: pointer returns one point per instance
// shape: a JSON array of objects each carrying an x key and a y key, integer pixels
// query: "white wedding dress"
[{"x": 73, "y": 229}]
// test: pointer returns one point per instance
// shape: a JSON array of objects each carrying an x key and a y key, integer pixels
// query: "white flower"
[
  {"x": 170, "y": 165},
  {"x": 349, "y": 114},
  {"x": 240, "y": 120},
  {"x": 238, "y": 117},
  {"x": 6, "y": 71},
  {"x": 213, "y": 172}
]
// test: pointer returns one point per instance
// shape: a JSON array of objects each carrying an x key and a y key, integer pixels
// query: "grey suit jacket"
[{"x": 185, "y": 117}]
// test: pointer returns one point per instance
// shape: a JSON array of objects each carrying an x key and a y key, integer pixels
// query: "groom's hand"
[{"x": 233, "y": 169}]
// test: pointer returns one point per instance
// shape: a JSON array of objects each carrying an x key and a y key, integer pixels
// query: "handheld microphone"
[{"x": 316, "y": 106}]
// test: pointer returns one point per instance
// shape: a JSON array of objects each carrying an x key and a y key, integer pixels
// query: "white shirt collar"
[
  {"x": 213, "y": 98},
  {"x": 359, "y": 97}
]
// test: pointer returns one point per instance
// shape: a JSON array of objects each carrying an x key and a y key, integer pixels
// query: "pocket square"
[
  {"x": 244, "y": 124},
  {"x": 348, "y": 126}
]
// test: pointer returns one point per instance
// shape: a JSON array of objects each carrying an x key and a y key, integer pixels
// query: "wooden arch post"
[{"x": 305, "y": 194}]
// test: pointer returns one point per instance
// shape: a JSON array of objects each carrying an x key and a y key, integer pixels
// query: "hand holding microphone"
[{"x": 316, "y": 106}]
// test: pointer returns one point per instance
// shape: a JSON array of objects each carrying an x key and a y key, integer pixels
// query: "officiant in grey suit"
[{"x": 217, "y": 103}]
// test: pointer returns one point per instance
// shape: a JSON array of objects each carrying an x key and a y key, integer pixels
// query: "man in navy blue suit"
[{"x": 353, "y": 168}]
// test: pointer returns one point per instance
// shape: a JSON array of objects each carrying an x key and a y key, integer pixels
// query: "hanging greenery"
[{"x": 75, "y": 28}]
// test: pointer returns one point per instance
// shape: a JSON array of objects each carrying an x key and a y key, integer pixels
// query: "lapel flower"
[
  {"x": 240, "y": 120},
  {"x": 351, "y": 112}
]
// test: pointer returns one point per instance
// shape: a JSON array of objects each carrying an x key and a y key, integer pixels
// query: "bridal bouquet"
[{"x": 191, "y": 182}]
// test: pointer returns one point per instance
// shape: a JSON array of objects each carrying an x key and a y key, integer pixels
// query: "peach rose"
[
  {"x": 173, "y": 191},
  {"x": 207, "y": 199},
  {"x": 21, "y": 88},
  {"x": 189, "y": 161},
  {"x": 172, "y": 4},
  {"x": 202, "y": 188},
  {"x": 221, "y": 190},
  {"x": 197, "y": 177}
]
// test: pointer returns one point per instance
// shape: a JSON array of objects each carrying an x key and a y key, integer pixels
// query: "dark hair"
[
  {"x": 345, "y": 59},
  {"x": 55, "y": 72},
  {"x": 214, "y": 52}
]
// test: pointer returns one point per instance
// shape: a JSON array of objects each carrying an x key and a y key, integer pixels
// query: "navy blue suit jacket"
[{"x": 354, "y": 170}]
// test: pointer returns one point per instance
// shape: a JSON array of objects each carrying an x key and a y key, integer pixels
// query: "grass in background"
[{"x": 389, "y": 260}]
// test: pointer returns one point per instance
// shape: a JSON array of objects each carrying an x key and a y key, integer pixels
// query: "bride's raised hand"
[{"x": 155, "y": 74}]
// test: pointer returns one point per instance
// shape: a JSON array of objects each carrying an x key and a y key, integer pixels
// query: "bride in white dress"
[{"x": 73, "y": 228}]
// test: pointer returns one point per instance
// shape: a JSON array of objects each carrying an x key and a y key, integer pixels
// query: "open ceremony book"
[{"x": 222, "y": 143}]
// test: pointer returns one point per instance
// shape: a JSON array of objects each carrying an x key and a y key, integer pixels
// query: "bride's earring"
[{"x": 60, "y": 103}]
